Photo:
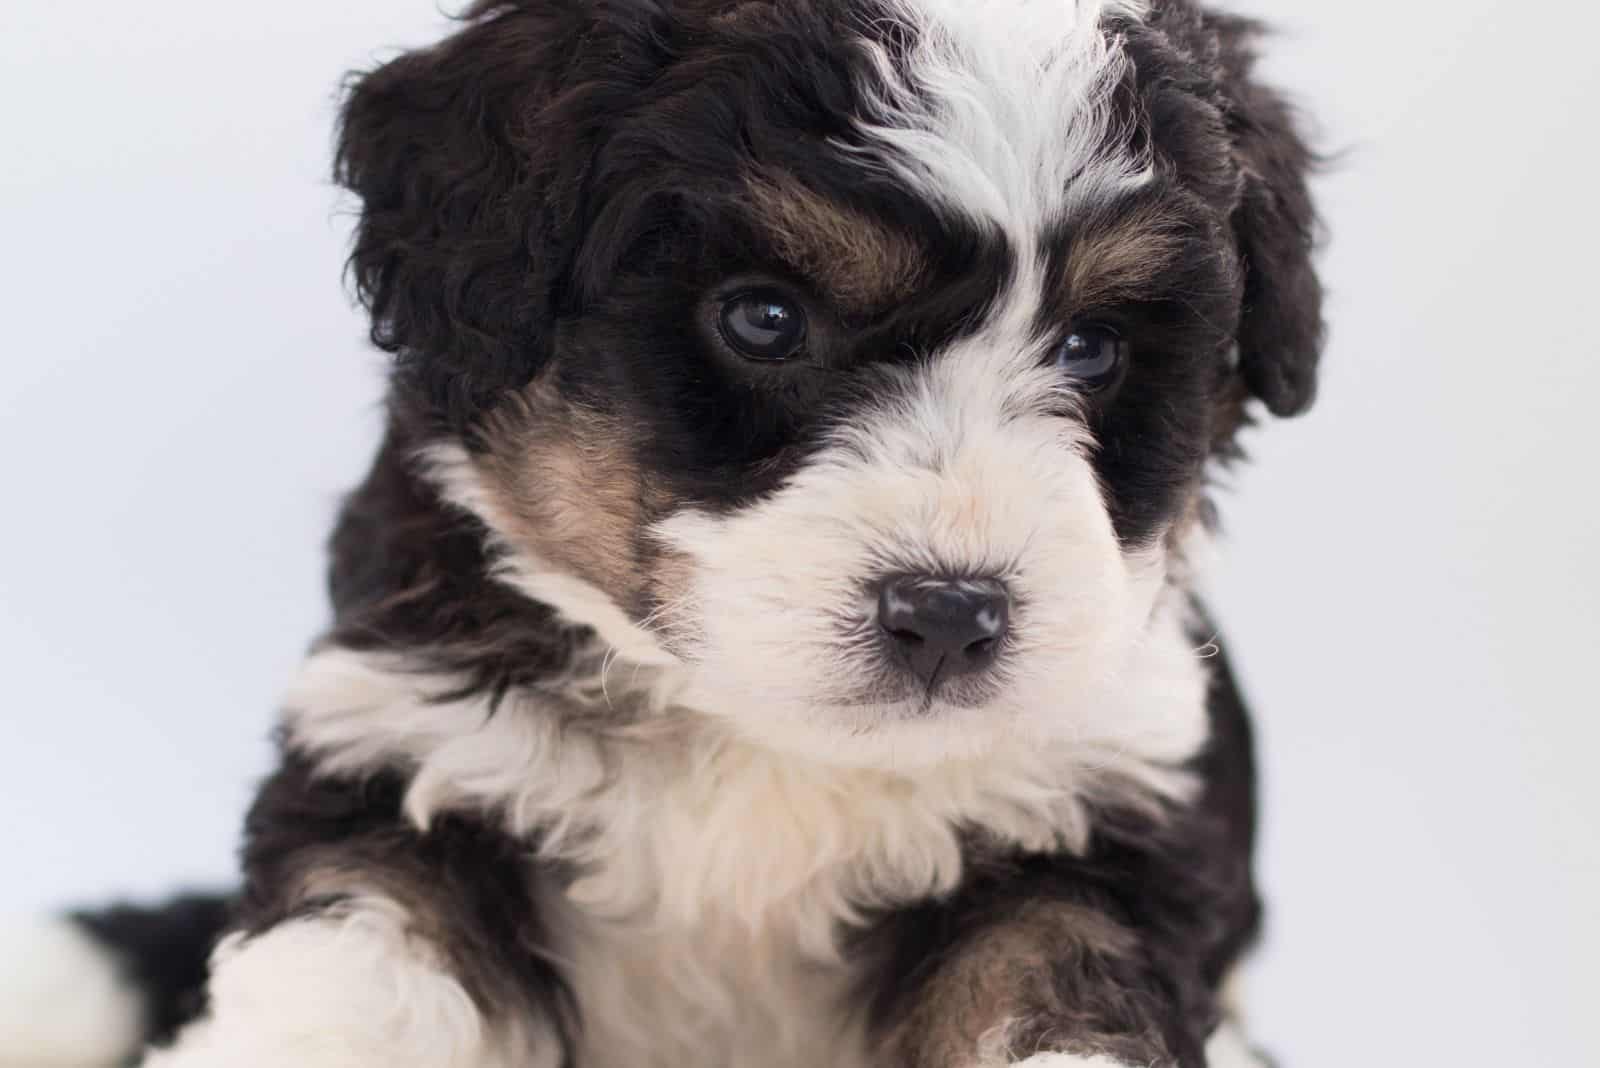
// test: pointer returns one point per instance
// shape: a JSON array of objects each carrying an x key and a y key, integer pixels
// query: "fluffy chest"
[
  {"x": 704, "y": 928},
  {"x": 716, "y": 881},
  {"x": 712, "y": 994}
]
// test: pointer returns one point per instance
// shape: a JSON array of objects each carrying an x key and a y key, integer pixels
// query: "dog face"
[{"x": 863, "y": 358}]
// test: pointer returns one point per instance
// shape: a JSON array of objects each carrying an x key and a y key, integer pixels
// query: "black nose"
[{"x": 944, "y": 627}]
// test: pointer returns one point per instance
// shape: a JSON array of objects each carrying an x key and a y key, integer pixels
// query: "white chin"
[{"x": 900, "y": 736}]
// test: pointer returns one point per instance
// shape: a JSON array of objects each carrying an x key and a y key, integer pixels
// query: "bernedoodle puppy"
[{"x": 766, "y": 636}]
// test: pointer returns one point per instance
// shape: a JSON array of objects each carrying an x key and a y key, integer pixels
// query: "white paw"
[
  {"x": 63, "y": 1001},
  {"x": 346, "y": 989}
]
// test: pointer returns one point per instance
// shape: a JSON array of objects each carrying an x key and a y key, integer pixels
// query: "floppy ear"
[
  {"x": 1280, "y": 330},
  {"x": 458, "y": 251}
]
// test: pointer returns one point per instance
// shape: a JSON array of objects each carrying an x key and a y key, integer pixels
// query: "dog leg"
[
  {"x": 351, "y": 986},
  {"x": 1052, "y": 983}
]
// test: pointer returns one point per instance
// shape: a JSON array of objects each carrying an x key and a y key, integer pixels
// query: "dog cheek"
[{"x": 569, "y": 493}]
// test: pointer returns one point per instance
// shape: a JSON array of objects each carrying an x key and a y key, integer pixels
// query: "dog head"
[{"x": 862, "y": 359}]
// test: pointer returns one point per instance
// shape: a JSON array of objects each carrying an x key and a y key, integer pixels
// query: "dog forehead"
[
  {"x": 999, "y": 116},
  {"x": 1004, "y": 110}
]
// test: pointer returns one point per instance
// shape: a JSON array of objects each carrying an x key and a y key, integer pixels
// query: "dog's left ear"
[
  {"x": 1280, "y": 329},
  {"x": 465, "y": 178}
]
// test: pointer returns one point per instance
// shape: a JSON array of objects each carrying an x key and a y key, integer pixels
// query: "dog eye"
[
  {"x": 763, "y": 324},
  {"x": 1092, "y": 354}
]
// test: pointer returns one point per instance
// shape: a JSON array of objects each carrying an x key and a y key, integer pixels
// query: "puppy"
[{"x": 765, "y": 637}]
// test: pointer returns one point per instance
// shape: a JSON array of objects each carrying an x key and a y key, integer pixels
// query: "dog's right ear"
[{"x": 459, "y": 247}]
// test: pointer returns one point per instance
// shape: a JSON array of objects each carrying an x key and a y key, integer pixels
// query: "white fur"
[
  {"x": 345, "y": 989},
  {"x": 1002, "y": 111},
  {"x": 63, "y": 1000},
  {"x": 1068, "y": 1060},
  {"x": 716, "y": 994}
]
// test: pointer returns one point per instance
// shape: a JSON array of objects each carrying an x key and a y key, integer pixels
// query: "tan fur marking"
[
  {"x": 568, "y": 489},
  {"x": 568, "y": 493},
  {"x": 855, "y": 259},
  {"x": 1121, "y": 259},
  {"x": 1002, "y": 978}
]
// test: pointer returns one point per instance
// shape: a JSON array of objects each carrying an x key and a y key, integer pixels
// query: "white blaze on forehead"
[{"x": 1002, "y": 110}]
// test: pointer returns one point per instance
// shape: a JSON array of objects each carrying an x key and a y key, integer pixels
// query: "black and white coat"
[{"x": 606, "y": 760}]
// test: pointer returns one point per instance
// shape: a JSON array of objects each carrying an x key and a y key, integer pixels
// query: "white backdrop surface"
[{"x": 1409, "y": 579}]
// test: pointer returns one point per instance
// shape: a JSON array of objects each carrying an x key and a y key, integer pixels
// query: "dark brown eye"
[
  {"x": 1094, "y": 355},
  {"x": 763, "y": 324}
]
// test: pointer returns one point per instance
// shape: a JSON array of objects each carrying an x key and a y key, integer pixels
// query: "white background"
[{"x": 1410, "y": 576}]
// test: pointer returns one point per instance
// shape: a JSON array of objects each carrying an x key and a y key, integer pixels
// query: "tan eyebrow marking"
[
  {"x": 1119, "y": 259},
  {"x": 856, "y": 260}
]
